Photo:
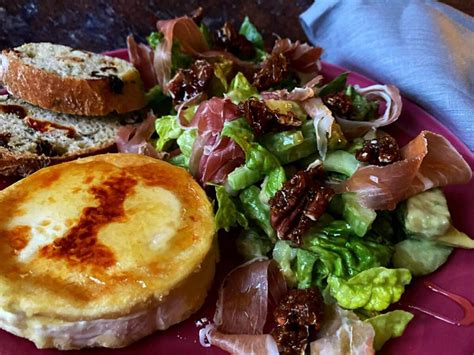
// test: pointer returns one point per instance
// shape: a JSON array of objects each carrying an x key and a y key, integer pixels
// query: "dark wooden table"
[{"x": 101, "y": 25}]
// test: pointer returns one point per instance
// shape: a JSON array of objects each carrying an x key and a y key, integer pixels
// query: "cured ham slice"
[
  {"x": 302, "y": 57},
  {"x": 247, "y": 295},
  {"x": 322, "y": 120},
  {"x": 134, "y": 138},
  {"x": 141, "y": 57},
  {"x": 428, "y": 161},
  {"x": 191, "y": 41},
  {"x": 343, "y": 333},
  {"x": 213, "y": 157},
  {"x": 393, "y": 108}
]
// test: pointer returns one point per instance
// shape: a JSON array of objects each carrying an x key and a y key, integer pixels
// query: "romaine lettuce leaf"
[
  {"x": 168, "y": 129},
  {"x": 362, "y": 108},
  {"x": 249, "y": 31},
  {"x": 374, "y": 289},
  {"x": 389, "y": 325},
  {"x": 240, "y": 89},
  {"x": 305, "y": 261},
  {"x": 256, "y": 210},
  {"x": 240, "y": 132},
  {"x": 227, "y": 214},
  {"x": 304, "y": 149},
  {"x": 272, "y": 183},
  {"x": 360, "y": 218},
  {"x": 344, "y": 256},
  {"x": 341, "y": 161},
  {"x": 251, "y": 245},
  {"x": 282, "y": 141},
  {"x": 285, "y": 256},
  {"x": 336, "y": 85},
  {"x": 185, "y": 142},
  {"x": 154, "y": 39}
]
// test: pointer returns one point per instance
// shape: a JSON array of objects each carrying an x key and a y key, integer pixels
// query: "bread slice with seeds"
[
  {"x": 32, "y": 138},
  {"x": 67, "y": 80}
]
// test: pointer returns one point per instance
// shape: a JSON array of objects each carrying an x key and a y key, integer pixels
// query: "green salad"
[{"x": 301, "y": 166}]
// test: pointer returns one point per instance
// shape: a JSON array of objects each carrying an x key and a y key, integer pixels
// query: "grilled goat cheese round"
[{"x": 103, "y": 251}]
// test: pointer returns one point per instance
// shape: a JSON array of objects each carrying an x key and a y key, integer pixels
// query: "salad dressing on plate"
[{"x": 464, "y": 303}]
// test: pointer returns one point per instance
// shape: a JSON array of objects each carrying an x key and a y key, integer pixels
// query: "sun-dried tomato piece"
[
  {"x": 299, "y": 316},
  {"x": 229, "y": 39},
  {"x": 274, "y": 70},
  {"x": 379, "y": 151},
  {"x": 339, "y": 104},
  {"x": 263, "y": 119},
  {"x": 188, "y": 83},
  {"x": 299, "y": 204}
]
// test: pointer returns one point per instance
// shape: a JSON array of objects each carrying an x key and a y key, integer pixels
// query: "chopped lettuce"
[
  {"x": 282, "y": 141},
  {"x": 240, "y": 132},
  {"x": 240, "y": 89},
  {"x": 251, "y": 245},
  {"x": 359, "y": 217},
  {"x": 344, "y": 256},
  {"x": 185, "y": 142},
  {"x": 302, "y": 150},
  {"x": 249, "y": 31},
  {"x": 334, "y": 86},
  {"x": 374, "y": 289},
  {"x": 421, "y": 257},
  {"x": 227, "y": 214},
  {"x": 285, "y": 256},
  {"x": 259, "y": 162},
  {"x": 389, "y": 325},
  {"x": 341, "y": 161},
  {"x": 168, "y": 129},
  {"x": 272, "y": 183},
  {"x": 362, "y": 108},
  {"x": 154, "y": 39},
  {"x": 305, "y": 261},
  {"x": 256, "y": 210},
  {"x": 219, "y": 83}
]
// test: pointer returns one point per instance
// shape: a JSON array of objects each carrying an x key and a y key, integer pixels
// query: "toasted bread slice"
[
  {"x": 66, "y": 80},
  {"x": 32, "y": 138},
  {"x": 103, "y": 250}
]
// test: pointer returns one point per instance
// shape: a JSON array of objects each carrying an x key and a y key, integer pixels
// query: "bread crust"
[{"x": 87, "y": 97}]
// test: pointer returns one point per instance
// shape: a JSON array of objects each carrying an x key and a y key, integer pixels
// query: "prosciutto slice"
[
  {"x": 213, "y": 157},
  {"x": 134, "y": 138},
  {"x": 185, "y": 31},
  {"x": 141, "y": 57},
  {"x": 428, "y": 161},
  {"x": 343, "y": 333},
  {"x": 322, "y": 120},
  {"x": 246, "y": 297},
  {"x": 302, "y": 57},
  {"x": 393, "y": 107}
]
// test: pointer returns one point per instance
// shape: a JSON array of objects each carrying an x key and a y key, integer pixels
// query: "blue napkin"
[{"x": 423, "y": 47}]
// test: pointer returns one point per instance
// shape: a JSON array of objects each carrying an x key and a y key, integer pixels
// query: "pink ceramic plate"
[{"x": 424, "y": 335}]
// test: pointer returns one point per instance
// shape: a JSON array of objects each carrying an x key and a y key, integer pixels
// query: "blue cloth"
[{"x": 425, "y": 48}]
